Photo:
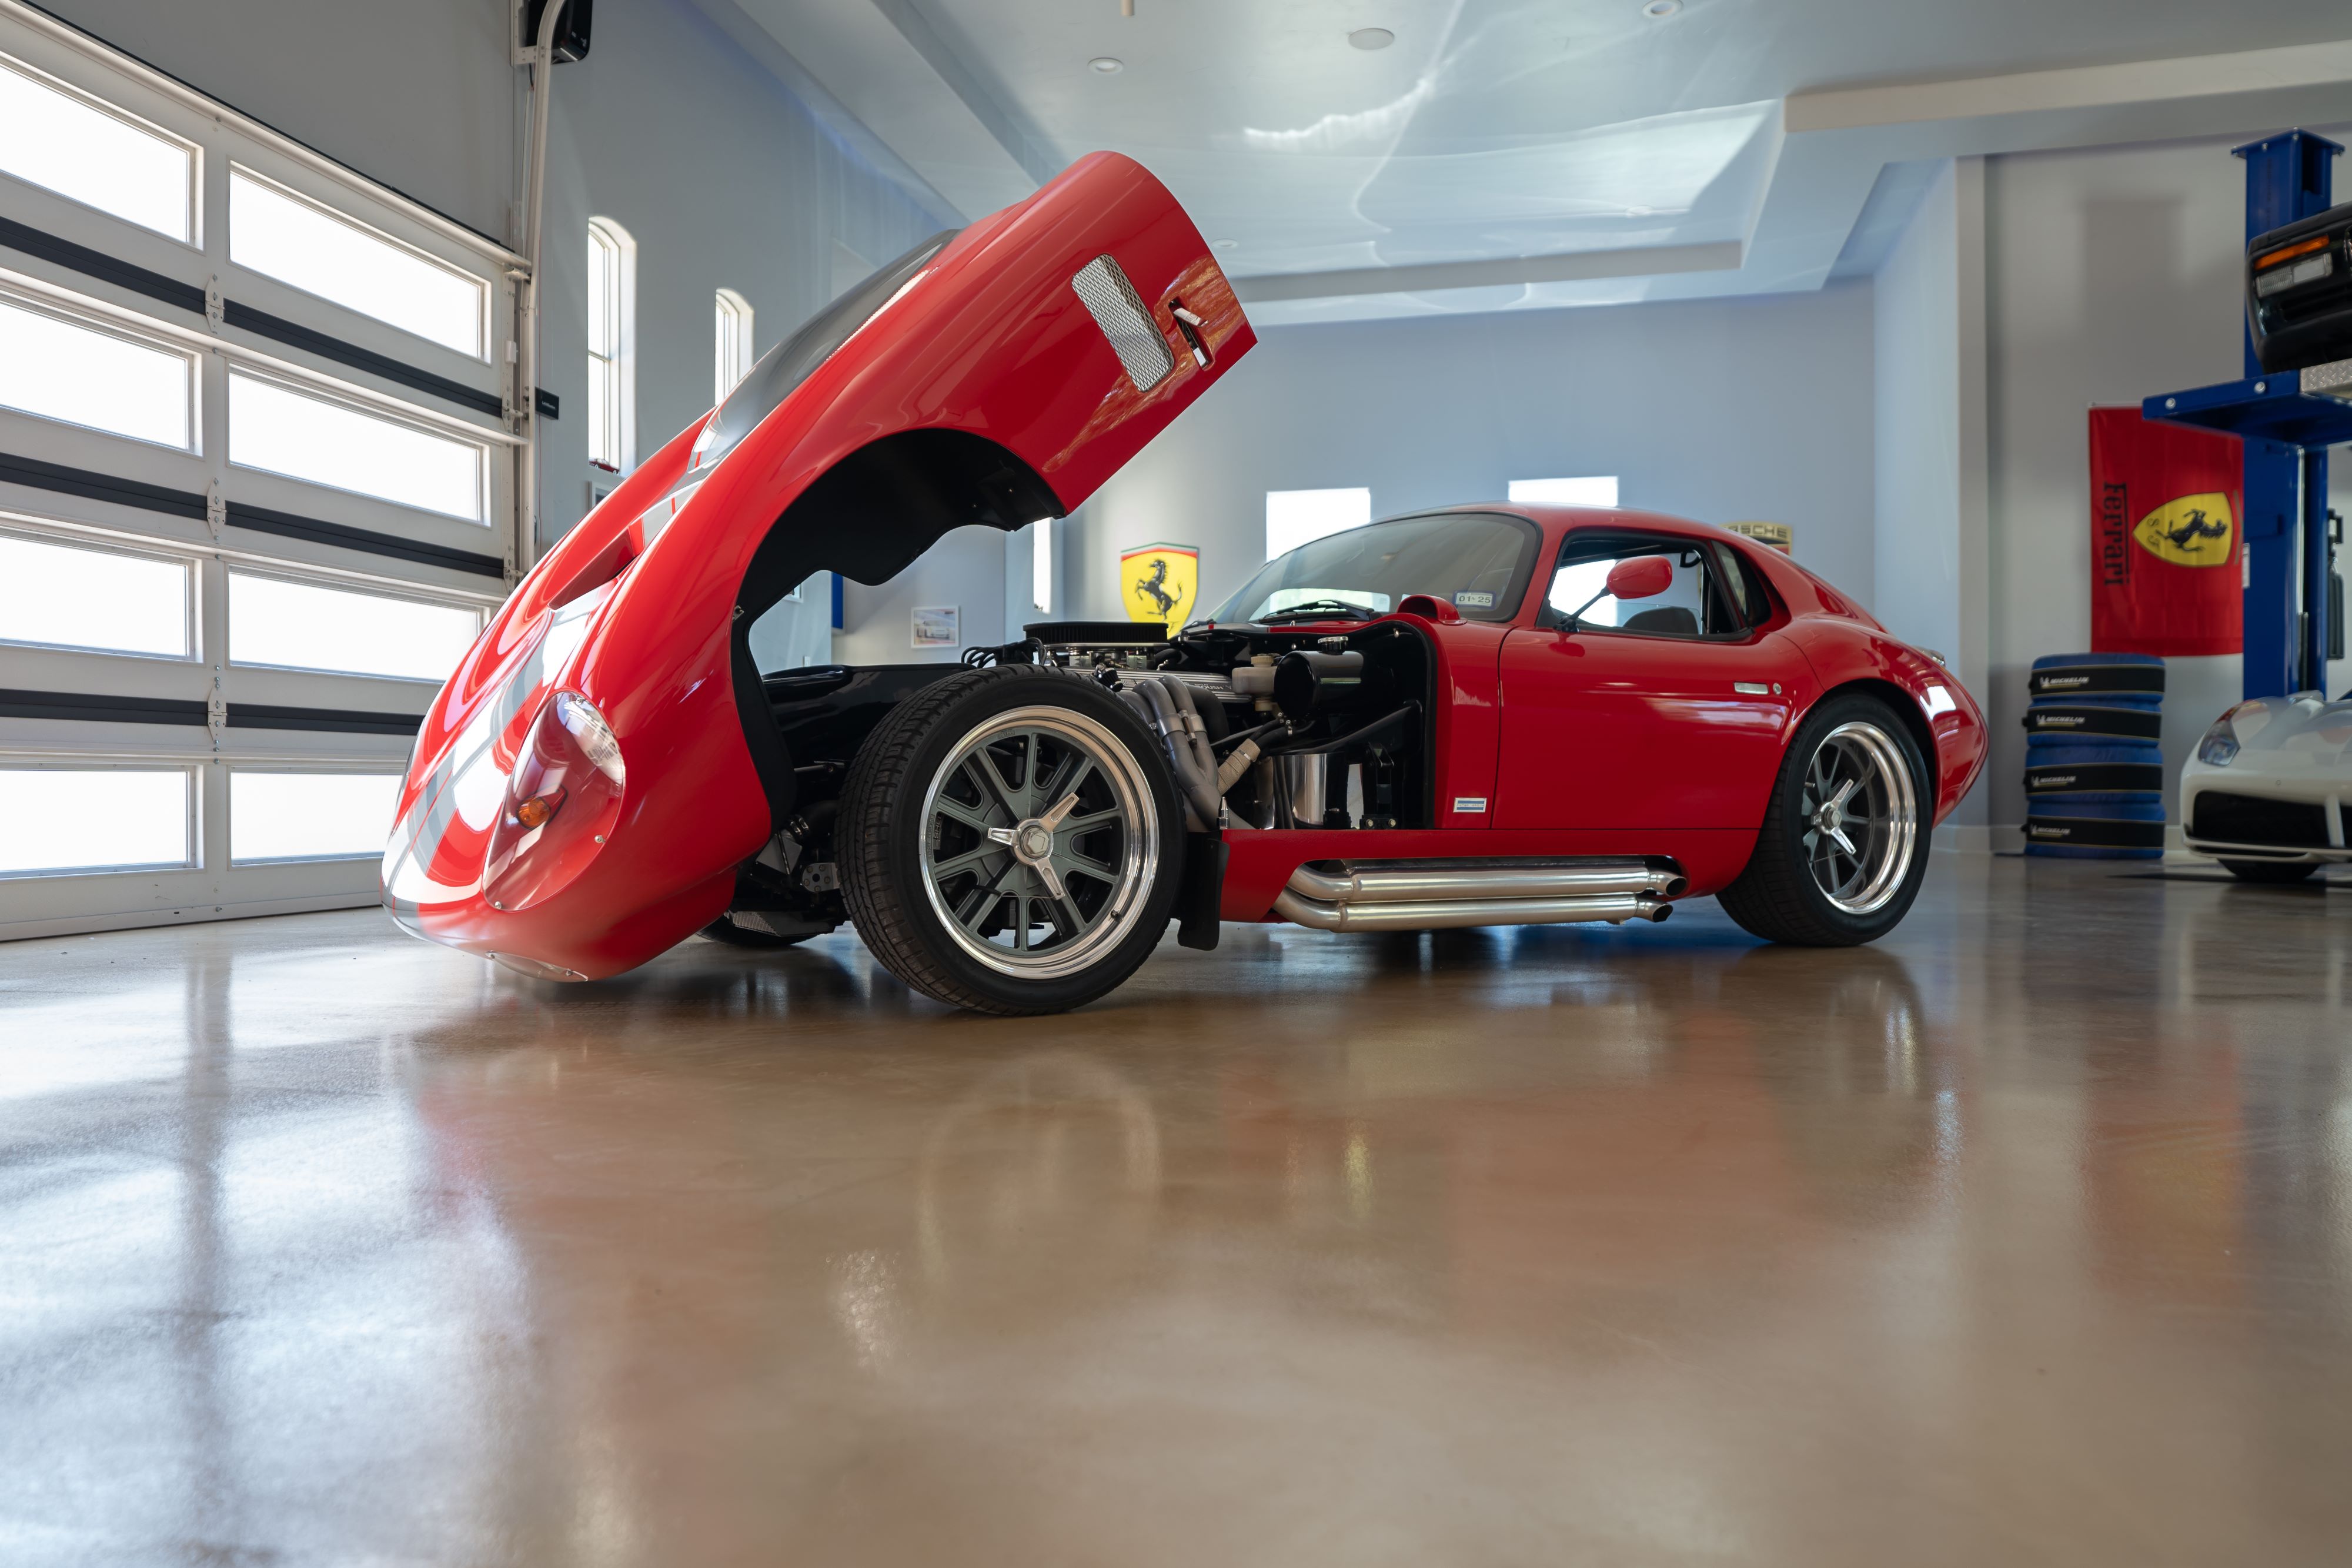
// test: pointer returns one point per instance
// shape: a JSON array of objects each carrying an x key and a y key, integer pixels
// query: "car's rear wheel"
[
  {"x": 1011, "y": 842},
  {"x": 1843, "y": 846},
  {"x": 2275, "y": 873}
]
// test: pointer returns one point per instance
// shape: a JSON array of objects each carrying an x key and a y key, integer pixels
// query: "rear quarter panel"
[{"x": 1843, "y": 652}]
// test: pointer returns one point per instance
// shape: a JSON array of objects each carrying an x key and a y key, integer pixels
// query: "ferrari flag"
[
  {"x": 2165, "y": 502},
  {"x": 1159, "y": 582}
]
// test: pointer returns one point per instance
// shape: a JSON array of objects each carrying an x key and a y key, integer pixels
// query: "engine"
[{"x": 1268, "y": 728}]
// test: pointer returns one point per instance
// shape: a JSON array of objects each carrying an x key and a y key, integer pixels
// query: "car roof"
[{"x": 1556, "y": 520}]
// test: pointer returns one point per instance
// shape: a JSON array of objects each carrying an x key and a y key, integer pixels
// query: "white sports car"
[{"x": 2268, "y": 793}]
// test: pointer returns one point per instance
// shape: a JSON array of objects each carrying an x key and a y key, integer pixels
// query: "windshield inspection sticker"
[
  {"x": 1469, "y": 803},
  {"x": 1475, "y": 601}
]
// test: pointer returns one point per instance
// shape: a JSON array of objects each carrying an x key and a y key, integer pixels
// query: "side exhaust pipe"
[{"x": 1426, "y": 895}]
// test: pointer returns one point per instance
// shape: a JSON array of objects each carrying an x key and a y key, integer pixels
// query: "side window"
[
  {"x": 1743, "y": 584},
  {"x": 1694, "y": 605}
]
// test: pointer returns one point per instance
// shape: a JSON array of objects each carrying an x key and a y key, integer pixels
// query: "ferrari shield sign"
[
  {"x": 2165, "y": 552},
  {"x": 2191, "y": 531},
  {"x": 1158, "y": 582}
]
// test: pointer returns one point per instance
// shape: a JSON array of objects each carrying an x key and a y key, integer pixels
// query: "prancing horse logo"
[
  {"x": 1154, "y": 587},
  {"x": 2190, "y": 530},
  {"x": 2195, "y": 528}
]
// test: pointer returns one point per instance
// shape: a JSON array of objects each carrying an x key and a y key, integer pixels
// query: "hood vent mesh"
[{"x": 1117, "y": 310}]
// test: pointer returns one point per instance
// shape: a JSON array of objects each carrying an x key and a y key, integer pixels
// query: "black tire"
[
  {"x": 725, "y": 930},
  {"x": 912, "y": 808},
  {"x": 1779, "y": 896},
  {"x": 2273, "y": 874}
]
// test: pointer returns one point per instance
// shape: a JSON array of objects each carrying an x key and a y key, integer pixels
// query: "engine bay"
[
  {"x": 1263, "y": 727},
  {"x": 1306, "y": 728}
]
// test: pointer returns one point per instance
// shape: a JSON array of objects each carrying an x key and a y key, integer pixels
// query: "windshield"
[
  {"x": 1478, "y": 561},
  {"x": 789, "y": 362}
]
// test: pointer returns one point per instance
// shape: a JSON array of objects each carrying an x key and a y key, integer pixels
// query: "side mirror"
[{"x": 1640, "y": 576}]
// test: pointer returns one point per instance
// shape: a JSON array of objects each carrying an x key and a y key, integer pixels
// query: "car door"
[{"x": 1669, "y": 712}]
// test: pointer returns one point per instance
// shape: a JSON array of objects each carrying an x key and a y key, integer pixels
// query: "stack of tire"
[{"x": 2094, "y": 770}]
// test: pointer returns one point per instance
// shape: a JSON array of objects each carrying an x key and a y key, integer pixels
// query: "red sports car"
[{"x": 1485, "y": 715}]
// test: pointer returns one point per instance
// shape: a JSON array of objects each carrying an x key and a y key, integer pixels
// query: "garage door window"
[
  {"x": 63, "y": 596},
  {"x": 67, "y": 141},
  {"x": 259, "y": 491},
  {"x": 277, "y": 816},
  {"x": 292, "y": 625},
  {"x": 319, "y": 251},
  {"x": 285, "y": 431},
  {"x": 64, "y": 368},
  {"x": 59, "y": 821}
]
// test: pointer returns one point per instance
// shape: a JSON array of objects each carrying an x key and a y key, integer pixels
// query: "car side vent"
[{"x": 1102, "y": 286}]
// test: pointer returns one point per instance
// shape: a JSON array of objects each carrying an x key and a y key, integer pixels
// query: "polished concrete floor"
[{"x": 2024, "y": 1238}]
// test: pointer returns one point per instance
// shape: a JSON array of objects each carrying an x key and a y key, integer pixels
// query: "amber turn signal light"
[
  {"x": 535, "y": 812},
  {"x": 2289, "y": 252}
]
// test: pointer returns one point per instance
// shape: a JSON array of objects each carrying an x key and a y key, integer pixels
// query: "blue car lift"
[{"x": 2288, "y": 421}]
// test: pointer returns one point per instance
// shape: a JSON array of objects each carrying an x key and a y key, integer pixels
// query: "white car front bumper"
[{"x": 2282, "y": 808}]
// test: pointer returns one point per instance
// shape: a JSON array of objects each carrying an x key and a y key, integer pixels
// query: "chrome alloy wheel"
[
  {"x": 1040, "y": 842},
  {"x": 1860, "y": 817}
]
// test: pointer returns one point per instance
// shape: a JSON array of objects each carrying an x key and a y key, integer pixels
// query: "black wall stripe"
[
  {"x": 102, "y": 709},
  {"x": 347, "y": 721},
  {"x": 99, "y": 265},
  {"x": 88, "y": 707},
  {"x": 94, "y": 486},
  {"x": 294, "y": 335},
  {"x": 286, "y": 525}
]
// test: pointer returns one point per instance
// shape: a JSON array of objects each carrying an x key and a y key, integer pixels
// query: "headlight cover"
[
  {"x": 562, "y": 800},
  {"x": 2219, "y": 748}
]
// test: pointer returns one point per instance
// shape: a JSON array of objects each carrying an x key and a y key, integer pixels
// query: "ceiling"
[{"x": 1500, "y": 155}]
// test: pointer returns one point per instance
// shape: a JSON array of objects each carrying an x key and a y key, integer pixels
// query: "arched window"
[
  {"x": 734, "y": 340},
  {"x": 612, "y": 345}
]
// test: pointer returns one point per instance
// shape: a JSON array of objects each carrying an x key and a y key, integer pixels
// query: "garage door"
[{"x": 256, "y": 495}]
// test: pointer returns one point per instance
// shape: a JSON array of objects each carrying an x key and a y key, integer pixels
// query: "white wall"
[
  {"x": 2112, "y": 274},
  {"x": 965, "y": 569},
  {"x": 1721, "y": 410},
  {"x": 1929, "y": 543}
]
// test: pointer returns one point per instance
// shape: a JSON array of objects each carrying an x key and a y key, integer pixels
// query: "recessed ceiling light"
[
  {"x": 1224, "y": 244},
  {"x": 1372, "y": 37},
  {"x": 1111, "y": 68},
  {"x": 1659, "y": 10}
]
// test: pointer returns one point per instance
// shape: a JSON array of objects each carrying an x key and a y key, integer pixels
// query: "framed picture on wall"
[{"x": 937, "y": 626}]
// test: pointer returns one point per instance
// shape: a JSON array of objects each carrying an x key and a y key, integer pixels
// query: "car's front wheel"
[
  {"x": 1011, "y": 842},
  {"x": 1844, "y": 847}
]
